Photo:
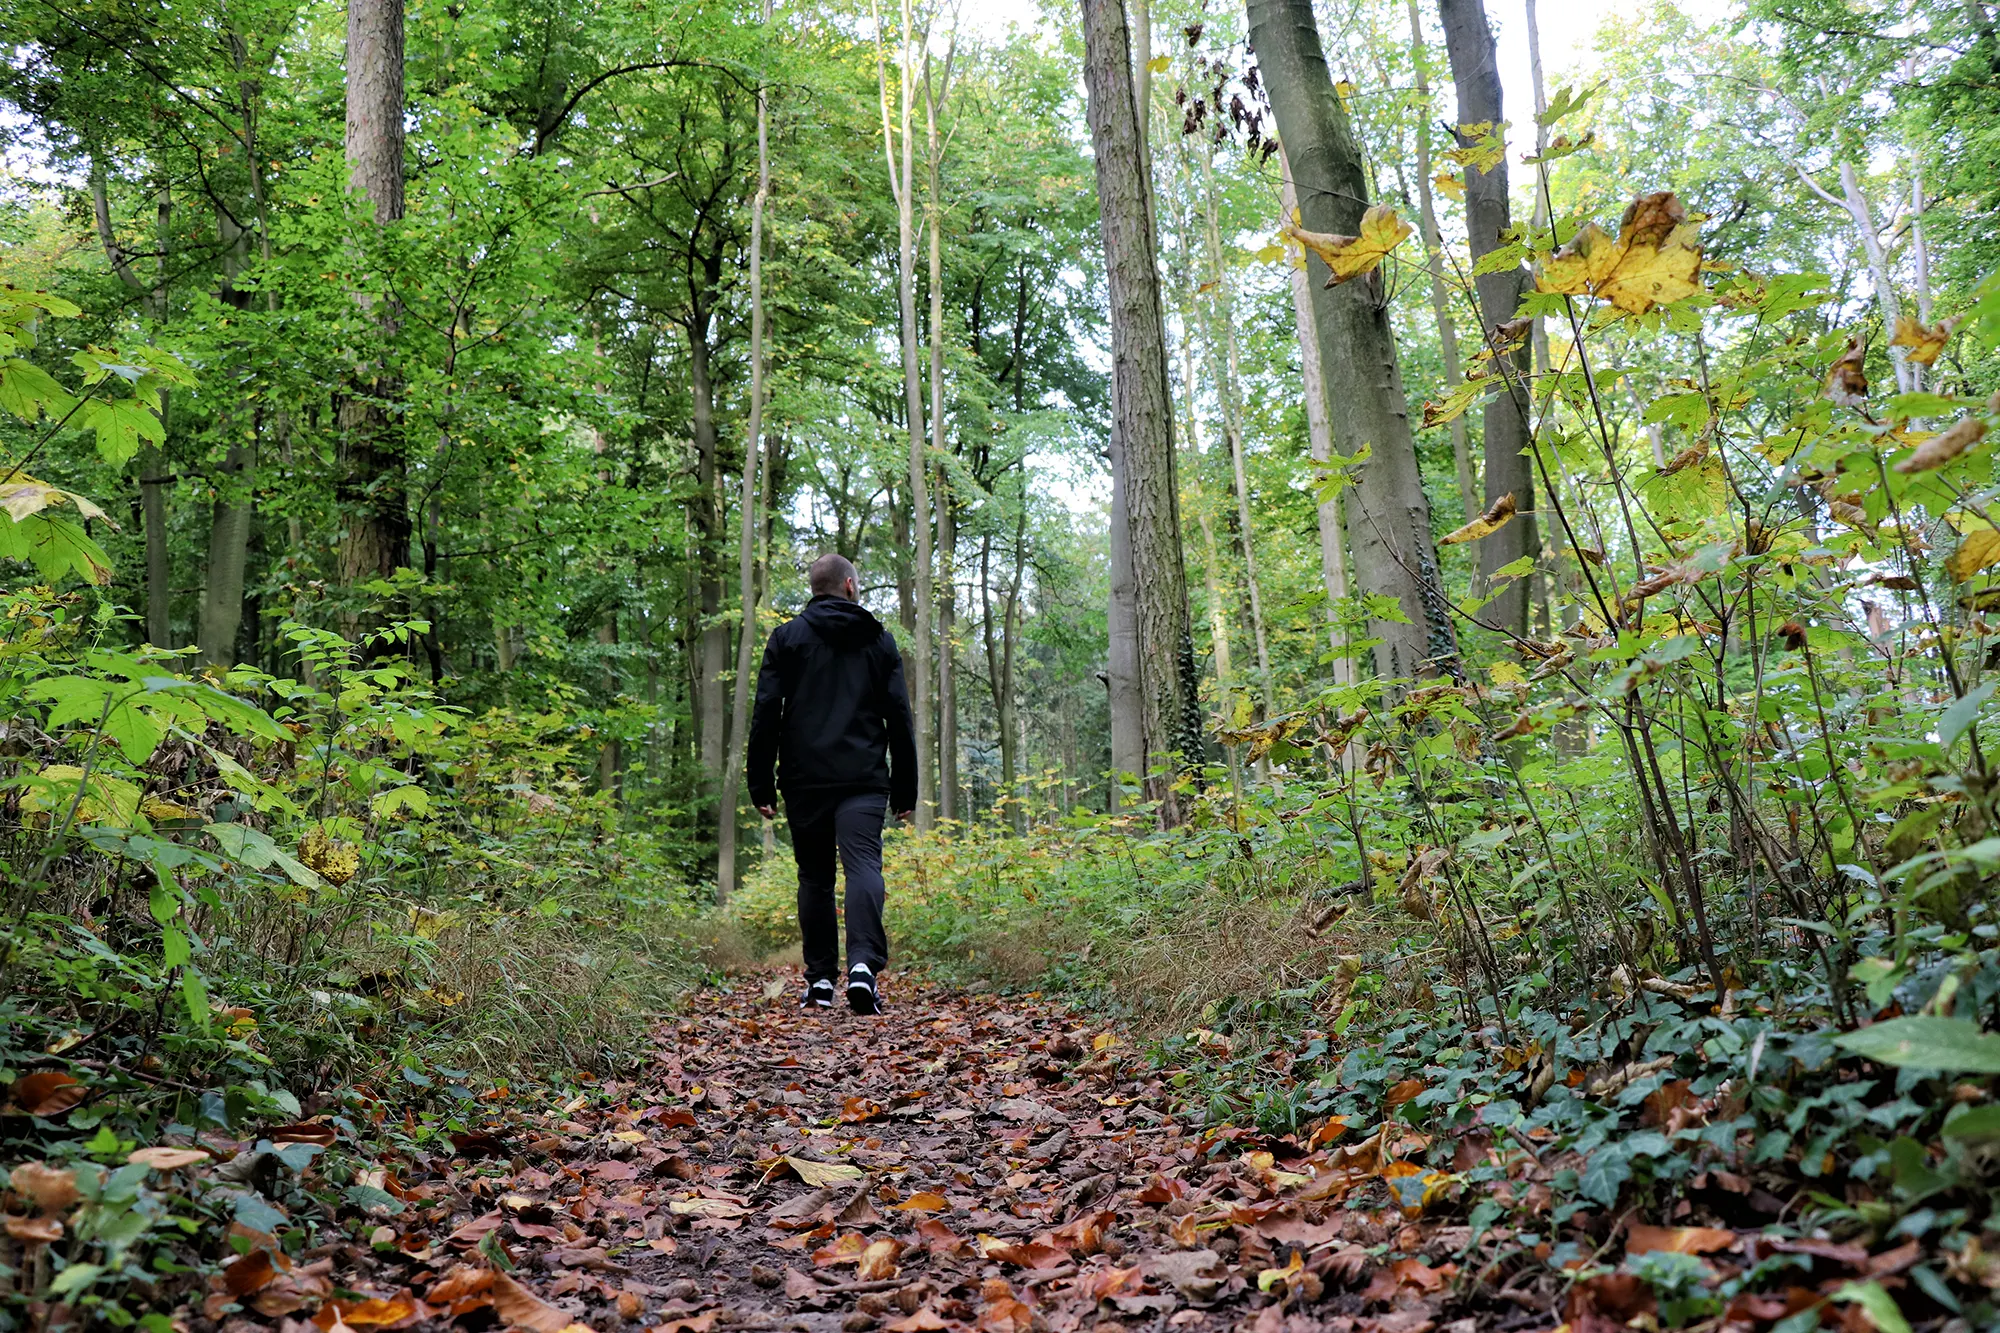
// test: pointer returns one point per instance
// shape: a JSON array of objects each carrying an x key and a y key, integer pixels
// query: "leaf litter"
[{"x": 1015, "y": 1172}]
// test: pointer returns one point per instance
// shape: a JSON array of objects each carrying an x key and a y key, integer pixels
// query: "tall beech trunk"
[
  {"x": 927, "y": 766},
  {"x": 1461, "y": 446},
  {"x": 1509, "y": 469},
  {"x": 746, "y": 543},
  {"x": 234, "y": 506},
  {"x": 1319, "y": 438},
  {"x": 1127, "y": 702},
  {"x": 712, "y": 644},
  {"x": 947, "y": 681},
  {"x": 1394, "y": 553},
  {"x": 1142, "y": 408},
  {"x": 370, "y": 488}
]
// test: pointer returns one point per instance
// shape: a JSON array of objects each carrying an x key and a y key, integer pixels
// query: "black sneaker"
[
  {"x": 819, "y": 995},
  {"x": 862, "y": 997}
]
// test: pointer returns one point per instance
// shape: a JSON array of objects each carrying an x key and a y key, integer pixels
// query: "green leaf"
[
  {"x": 1879, "y": 1304},
  {"x": 1566, "y": 102},
  {"x": 1922, "y": 405},
  {"x": 121, "y": 425},
  {"x": 194, "y": 992},
  {"x": 1500, "y": 259},
  {"x": 1978, "y": 1124},
  {"x": 1953, "y": 722},
  {"x": 56, "y": 547},
  {"x": 74, "y": 1279},
  {"x": 1954, "y": 1045},
  {"x": 30, "y": 392},
  {"x": 1605, "y": 1174}
]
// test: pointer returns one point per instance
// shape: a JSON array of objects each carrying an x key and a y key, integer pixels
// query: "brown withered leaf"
[
  {"x": 1496, "y": 517},
  {"x": 1643, "y": 1239},
  {"x": 48, "y": 1093},
  {"x": 1847, "y": 379},
  {"x": 1941, "y": 448},
  {"x": 518, "y": 1306}
]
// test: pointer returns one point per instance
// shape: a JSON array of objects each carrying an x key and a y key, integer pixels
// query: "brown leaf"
[
  {"x": 1847, "y": 380},
  {"x": 50, "y": 1190},
  {"x": 924, "y": 1201},
  {"x": 373, "y": 1312},
  {"x": 800, "y": 1287},
  {"x": 940, "y": 1239},
  {"x": 249, "y": 1272},
  {"x": 846, "y": 1249},
  {"x": 1496, "y": 517},
  {"x": 1941, "y": 448},
  {"x": 1406, "y": 1091},
  {"x": 308, "y": 1131},
  {"x": 1022, "y": 1254},
  {"x": 925, "y": 1320},
  {"x": 878, "y": 1261},
  {"x": 1643, "y": 1239},
  {"x": 518, "y": 1306},
  {"x": 49, "y": 1093}
]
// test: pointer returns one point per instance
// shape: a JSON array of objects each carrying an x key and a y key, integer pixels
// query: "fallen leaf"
[
  {"x": 925, "y": 1320},
  {"x": 1022, "y": 1254},
  {"x": 878, "y": 1261},
  {"x": 373, "y": 1312},
  {"x": 518, "y": 1306},
  {"x": 921, "y": 1202},
  {"x": 846, "y": 1249},
  {"x": 1496, "y": 517},
  {"x": 49, "y": 1093},
  {"x": 822, "y": 1173},
  {"x": 1643, "y": 1239},
  {"x": 250, "y": 1272},
  {"x": 707, "y": 1208},
  {"x": 168, "y": 1159}
]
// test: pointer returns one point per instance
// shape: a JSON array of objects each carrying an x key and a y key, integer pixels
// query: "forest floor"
[
  {"x": 965, "y": 1161},
  {"x": 960, "y": 1161}
]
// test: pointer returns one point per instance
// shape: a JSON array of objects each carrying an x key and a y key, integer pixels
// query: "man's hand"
[
  {"x": 768, "y": 811},
  {"x": 906, "y": 815}
]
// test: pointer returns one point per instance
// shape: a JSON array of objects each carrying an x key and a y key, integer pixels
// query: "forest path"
[
  {"x": 957, "y": 1161},
  {"x": 962, "y": 1161}
]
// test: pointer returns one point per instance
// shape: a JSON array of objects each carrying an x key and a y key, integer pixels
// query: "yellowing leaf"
[
  {"x": 1495, "y": 518},
  {"x": 105, "y": 800},
  {"x": 1980, "y": 550},
  {"x": 1351, "y": 256},
  {"x": 822, "y": 1174},
  {"x": 1482, "y": 145},
  {"x": 1450, "y": 184},
  {"x": 1655, "y": 259},
  {"x": 1925, "y": 341},
  {"x": 924, "y": 1201},
  {"x": 1158, "y": 64}
]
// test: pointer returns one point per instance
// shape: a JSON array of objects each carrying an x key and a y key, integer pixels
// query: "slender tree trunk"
[
  {"x": 1509, "y": 468},
  {"x": 1461, "y": 447},
  {"x": 712, "y": 639},
  {"x": 1141, "y": 405},
  {"x": 1232, "y": 424},
  {"x": 1862, "y": 212},
  {"x": 920, "y": 466},
  {"x": 746, "y": 548},
  {"x": 1395, "y": 555},
  {"x": 1122, "y": 671},
  {"x": 228, "y": 553},
  {"x": 1319, "y": 437},
  {"x": 370, "y": 488},
  {"x": 902, "y": 185},
  {"x": 947, "y": 768}
]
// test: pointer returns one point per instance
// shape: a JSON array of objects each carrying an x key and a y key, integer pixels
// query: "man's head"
[{"x": 832, "y": 575}]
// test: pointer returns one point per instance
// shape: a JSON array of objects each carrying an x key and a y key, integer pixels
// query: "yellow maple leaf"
[
  {"x": 1925, "y": 341},
  {"x": 1450, "y": 184},
  {"x": 1481, "y": 145},
  {"x": 1496, "y": 517},
  {"x": 1351, "y": 256},
  {"x": 1980, "y": 550},
  {"x": 1655, "y": 259}
]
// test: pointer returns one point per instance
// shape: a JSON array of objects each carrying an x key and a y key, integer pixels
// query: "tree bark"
[
  {"x": 713, "y": 641},
  {"x": 746, "y": 544},
  {"x": 947, "y": 682},
  {"x": 934, "y": 96},
  {"x": 1232, "y": 425},
  {"x": 1319, "y": 438},
  {"x": 1509, "y": 468},
  {"x": 1461, "y": 447},
  {"x": 370, "y": 487},
  {"x": 1395, "y": 555},
  {"x": 1142, "y": 408}
]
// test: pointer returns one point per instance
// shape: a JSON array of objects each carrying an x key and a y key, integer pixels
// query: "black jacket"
[{"x": 832, "y": 711}]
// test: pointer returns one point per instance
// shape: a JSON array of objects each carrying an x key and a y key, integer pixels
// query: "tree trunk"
[
  {"x": 1862, "y": 213},
  {"x": 746, "y": 544},
  {"x": 1461, "y": 447},
  {"x": 1319, "y": 437},
  {"x": 1394, "y": 553},
  {"x": 370, "y": 486},
  {"x": 1142, "y": 408},
  {"x": 947, "y": 691},
  {"x": 920, "y": 466},
  {"x": 712, "y": 643},
  {"x": 1509, "y": 467},
  {"x": 228, "y": 553},
  {"x": 1232, "y": 425}
]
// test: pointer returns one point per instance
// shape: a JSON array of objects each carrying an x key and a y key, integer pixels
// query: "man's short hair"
[{"x": 829, "y": 574}]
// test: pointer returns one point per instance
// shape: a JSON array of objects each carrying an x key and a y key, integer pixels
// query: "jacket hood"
[{"x": 841, "y": 624}]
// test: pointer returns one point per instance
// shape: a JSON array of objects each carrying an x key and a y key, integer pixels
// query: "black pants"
[{"x": 852, "y": 827}]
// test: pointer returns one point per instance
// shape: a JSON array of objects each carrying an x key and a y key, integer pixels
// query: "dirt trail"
[{"x": 962, "y": 1161}]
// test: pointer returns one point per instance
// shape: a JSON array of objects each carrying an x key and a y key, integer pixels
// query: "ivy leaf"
[
  {"x": 1953, "y": 1045},
  {"x": 1605, "y": 1174},
  {"x": 1351, "y": 256}
]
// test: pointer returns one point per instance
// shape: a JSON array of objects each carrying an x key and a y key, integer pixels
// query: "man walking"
[{"x": 833, "y": 714}]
